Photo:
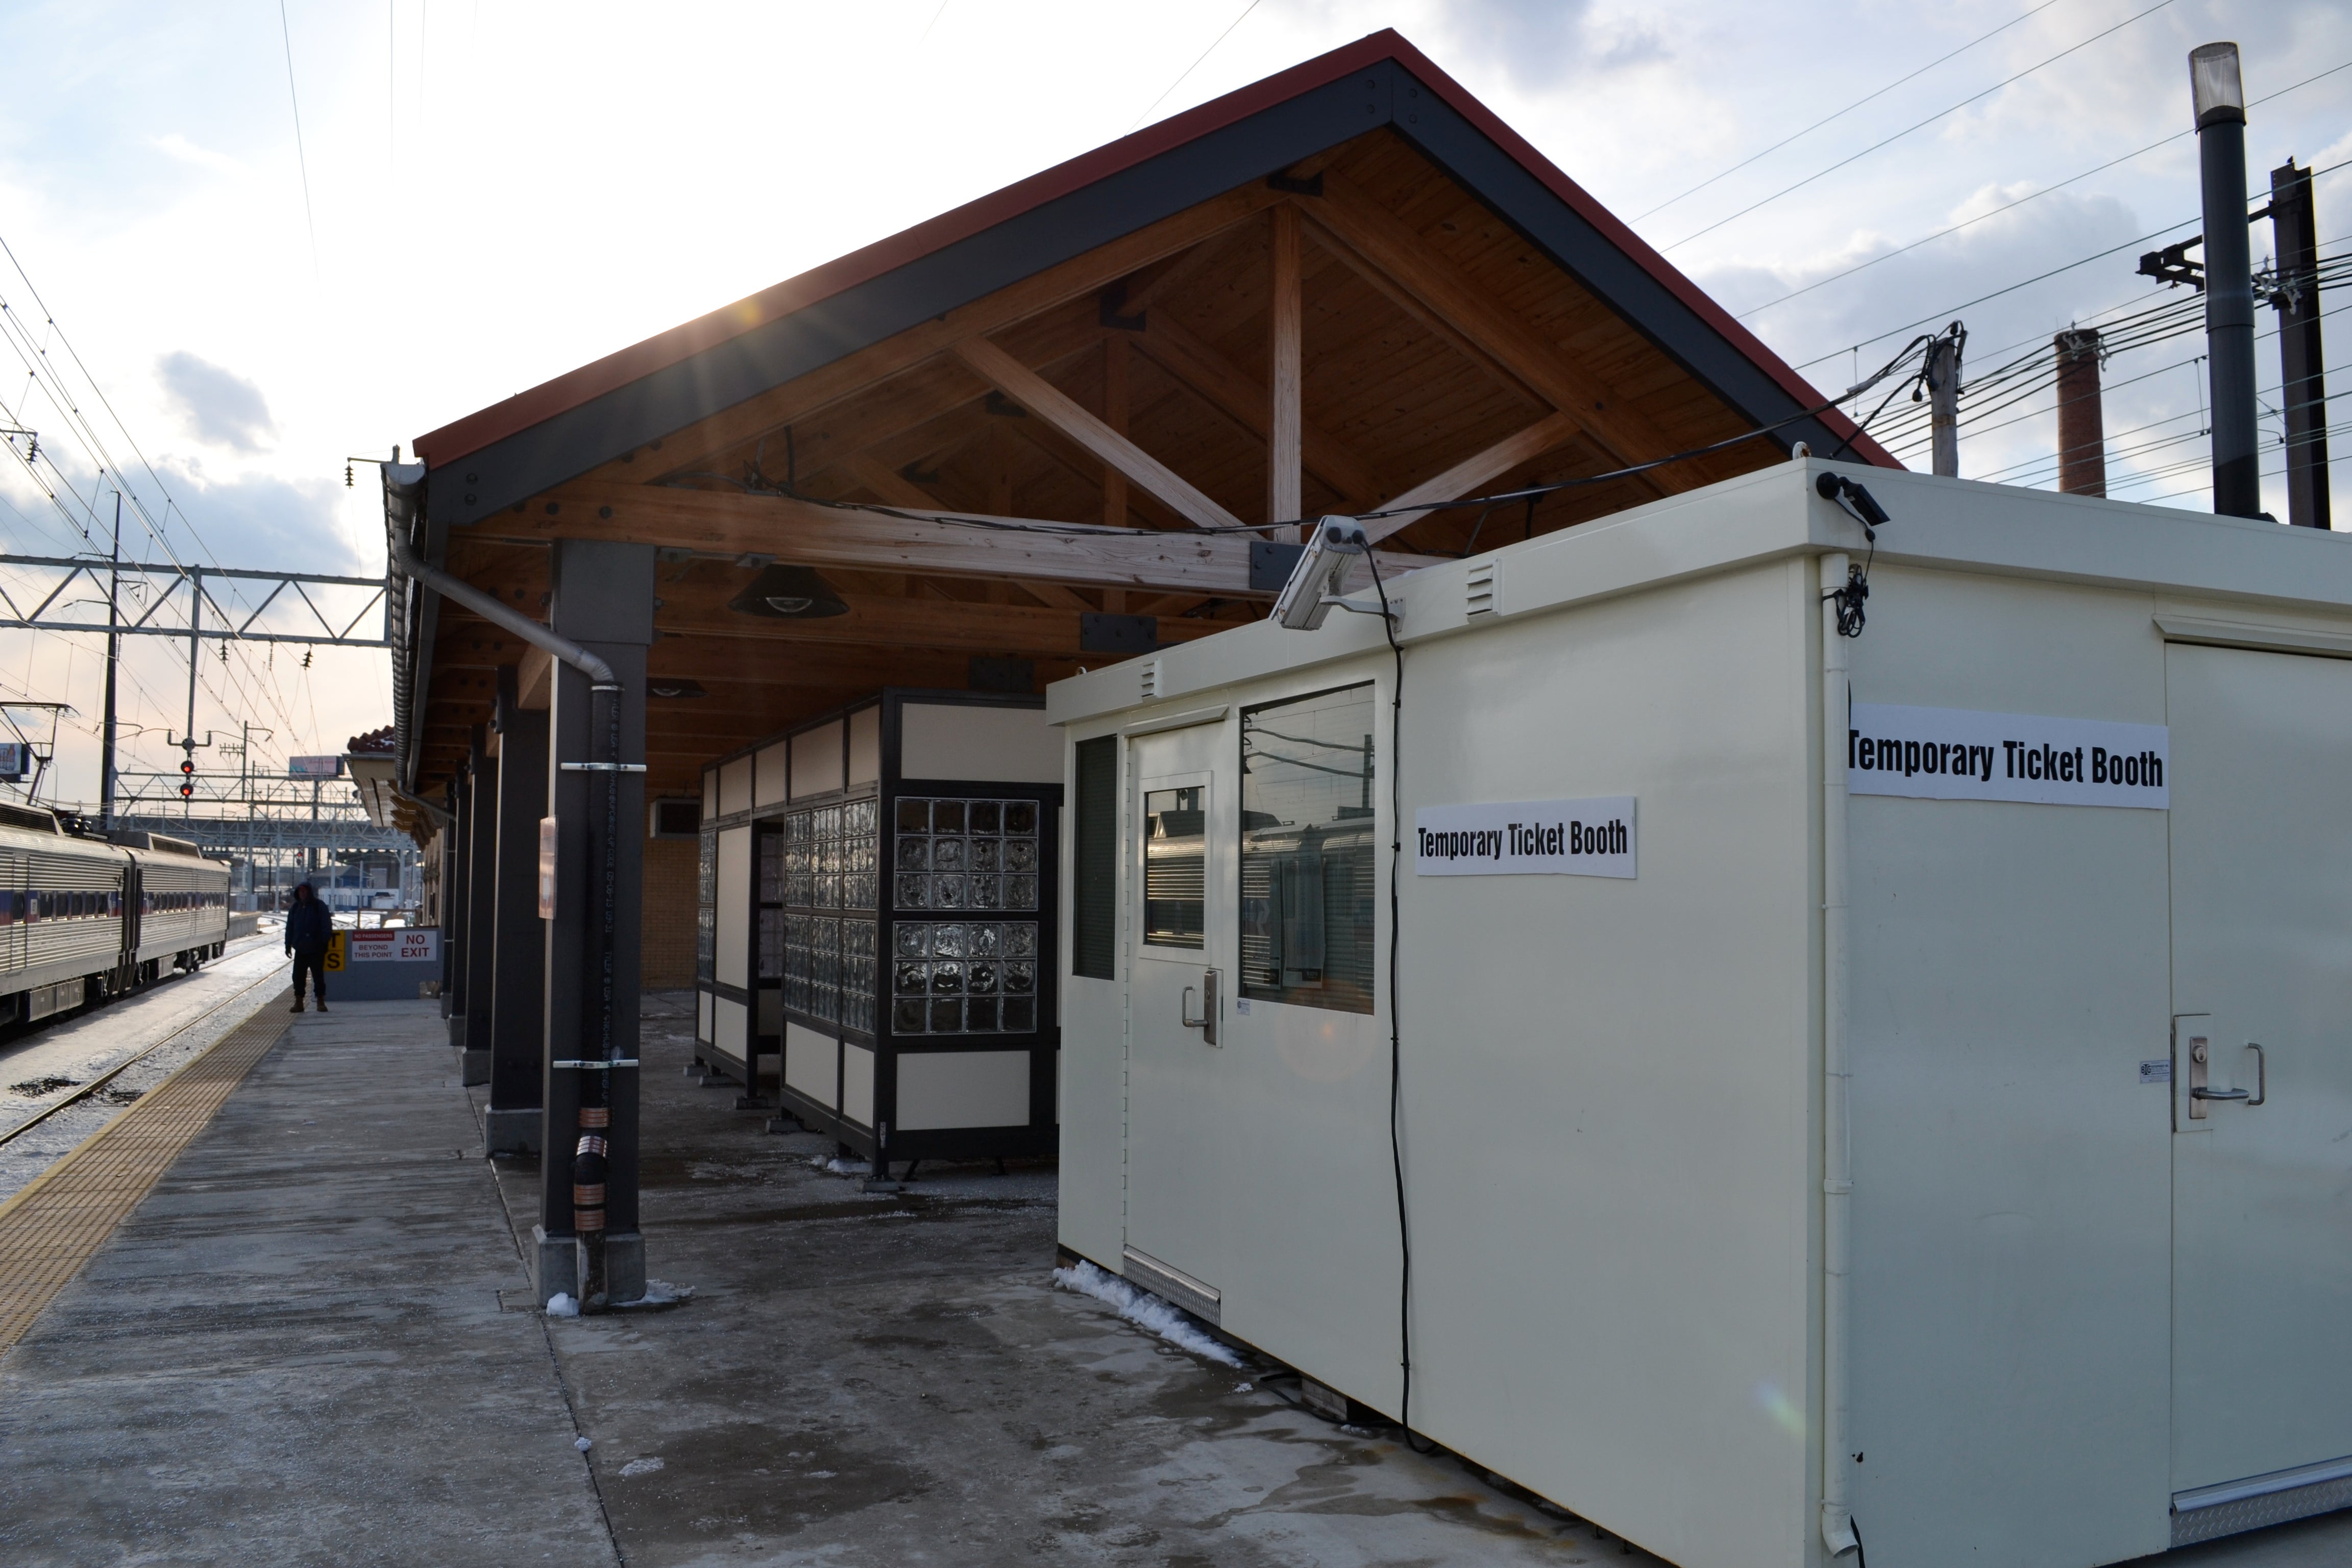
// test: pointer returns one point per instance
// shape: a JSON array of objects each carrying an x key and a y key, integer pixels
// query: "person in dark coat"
[{"x": 309, "y": 929}]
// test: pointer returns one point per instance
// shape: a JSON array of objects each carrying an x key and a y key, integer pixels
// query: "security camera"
[{"x": 1315, "y": 580}]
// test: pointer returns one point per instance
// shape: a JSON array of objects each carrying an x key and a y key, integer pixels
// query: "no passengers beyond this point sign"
[
  {"x": 1958, "y": 753},
  {"x": 1510, "y": 839}
]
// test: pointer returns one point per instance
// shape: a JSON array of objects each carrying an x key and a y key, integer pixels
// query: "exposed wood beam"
[
  {"x": 887, "y": 484},
  {"x": 1114, "y": 483},
  {"x": 1056, "y": 408},
  {"x": 693, "y": 448},
  {"x": 1171, "y": 560},
  {"x": 1285, "y": 370},
  {"x": 1243, "y": 399},
  {"x": 1522, "y": 446},
  {"x": 1362, "y": 224}
]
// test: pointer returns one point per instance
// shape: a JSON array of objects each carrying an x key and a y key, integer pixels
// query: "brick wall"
[{"x": 669, "y": 914}]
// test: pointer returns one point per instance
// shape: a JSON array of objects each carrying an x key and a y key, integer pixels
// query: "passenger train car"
[{"x": 84, "y": 918}]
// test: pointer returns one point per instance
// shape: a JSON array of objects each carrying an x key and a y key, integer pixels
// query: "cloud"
[
  {"x": 178, "y": 148},
  {"x": 218, "y": 407}
]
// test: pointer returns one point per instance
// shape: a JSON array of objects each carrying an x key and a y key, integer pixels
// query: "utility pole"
[
  {"x": 1944, "y": 401},
  {"x": 113, "y": 657},
  {"x": 2217, "y": 93},
  {"x": 2295, "y": 230}
]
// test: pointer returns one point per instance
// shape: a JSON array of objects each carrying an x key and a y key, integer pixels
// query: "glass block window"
[
  {"x": 858, "y": 974},
  {"x": 963, "y": 977},
  {"x": 812, "y": 965},
  {"x": 831, "y": 860},
  {"x": 976, "y": 855},
  {"x": 706, "y": 905}
]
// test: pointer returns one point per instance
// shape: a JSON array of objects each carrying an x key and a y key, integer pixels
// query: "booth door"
[
  {"x": 1179, "y": 846},
  {"x": 2262, "y": 988}
]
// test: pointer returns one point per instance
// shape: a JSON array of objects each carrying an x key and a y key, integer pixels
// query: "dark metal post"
[
  {"x": 518, "y": 1001},
  {"x": 113, "y": 658},
  {"x": 456, "y": 905},
  {"x": 2081, "y": 425},
  {"x": 2294, "y": 227},
  {"x": 603, "y": 600},
  {"x": 481, "y": 923},
  {"x": 2219, "y": 96}
]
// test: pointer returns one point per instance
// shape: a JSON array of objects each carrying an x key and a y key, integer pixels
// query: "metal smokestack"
[{"x": 2219, "y": 95}]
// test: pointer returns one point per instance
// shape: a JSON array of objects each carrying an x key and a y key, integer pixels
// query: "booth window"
[
  {"x": 1175, "y": 866},
  {"x": 1307, "y": 910},
  {"x": 1094, "y": 878}
]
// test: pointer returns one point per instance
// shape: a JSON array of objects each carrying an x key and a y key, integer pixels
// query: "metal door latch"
[
  {"x": 2199, "y": 1095},
  {"x": 1207, "y": 1022}
]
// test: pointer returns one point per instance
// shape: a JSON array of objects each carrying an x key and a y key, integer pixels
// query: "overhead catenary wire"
[
  {"x": 1849, "y": 109},
  {"x": 2019, "y": 202},
  {"x": 1918, "y": 125}
]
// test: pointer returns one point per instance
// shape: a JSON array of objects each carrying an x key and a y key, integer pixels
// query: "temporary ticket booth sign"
[
  {"x": 1515, "y": 838},
  {"x": 1956, "y": 754}
]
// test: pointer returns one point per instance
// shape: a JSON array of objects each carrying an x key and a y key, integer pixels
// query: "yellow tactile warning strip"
[{"x": 49, "y": 1230}]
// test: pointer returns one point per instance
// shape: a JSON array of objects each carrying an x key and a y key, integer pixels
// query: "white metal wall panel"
[
  {"x": 735, "y": 786},
  {"x": 702, "y": 1016},
  {"x": 963, "y": 1089},
  {"x": 771, "y": 767},
  {"x": 865, "y": 745},
  {"x": 2012, "y": 1204},
  {"x": 729, "y": 1029},
  {"x": 732, "y": 936},
  {"x": 1014, "y": 744},
  {"x": 857, "y": 1084},
  {"x": 709, "y": 792},
  {"x": 816, "y": 761},
  {"x": 813, "y": 1065}
]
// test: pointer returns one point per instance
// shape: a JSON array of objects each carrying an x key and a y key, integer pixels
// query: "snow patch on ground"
[
  {"x": 641, "y": 1467},
  {"x": 661, "y": 1293},
  {"x": 841, "y": 1167},
  {"x": 1145, "y": 1310},
  {"x": 561, "y": 1305}
]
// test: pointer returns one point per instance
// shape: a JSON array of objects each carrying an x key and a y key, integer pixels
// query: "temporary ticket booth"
[
  {"x": 1889, "y": 1085},
  {"x": 877, "y": 908}
]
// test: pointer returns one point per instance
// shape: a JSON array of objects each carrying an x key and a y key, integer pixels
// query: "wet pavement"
[{"x": 314, "y": 1345}]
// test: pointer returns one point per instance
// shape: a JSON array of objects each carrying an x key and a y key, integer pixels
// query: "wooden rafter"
[
  {"x": 1080, "y": 277},
  {"x": 1360, "y": 223},
  {"x": 1242, "y": 398},
  {"x": 1058, "y": 408},
  {"x": 1520, "y": 447},
  {"x": 1285, "y": 370}
]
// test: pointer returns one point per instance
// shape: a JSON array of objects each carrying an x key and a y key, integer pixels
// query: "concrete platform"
[{"x": 314, "y": 1344}]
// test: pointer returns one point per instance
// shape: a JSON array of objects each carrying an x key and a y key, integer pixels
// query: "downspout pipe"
[
  {"x": 403, "y": 487},
  {"x": 1837, "y": 1173}
]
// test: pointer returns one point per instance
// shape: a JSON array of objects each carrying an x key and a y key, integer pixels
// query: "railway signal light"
[{"x": 187, "y": 777}]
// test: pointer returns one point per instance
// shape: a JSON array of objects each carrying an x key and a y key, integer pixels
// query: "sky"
[{"x": 484, "y": 194}]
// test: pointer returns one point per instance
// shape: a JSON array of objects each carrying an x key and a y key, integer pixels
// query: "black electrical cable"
[{"x": 1396, "y": 1020}]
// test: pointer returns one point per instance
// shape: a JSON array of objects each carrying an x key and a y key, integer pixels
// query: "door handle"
[
  {"x": 1207, "y": 1022},
  {"x": 2261, "y": 1074},
  {"x": 2219, "y": 1094}
]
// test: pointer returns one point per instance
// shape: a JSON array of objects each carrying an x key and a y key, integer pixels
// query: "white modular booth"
[{"x": 1893, "y": 1085}]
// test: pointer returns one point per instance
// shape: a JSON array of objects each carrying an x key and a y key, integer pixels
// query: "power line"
[
  {"x": 302, "y": 161},
  {"x": 2006, "y": 207},
  {"x": 1907, "y": 130},
  {"x": 1172, "y": 86},
  {"x": 1849, "y": 109}
]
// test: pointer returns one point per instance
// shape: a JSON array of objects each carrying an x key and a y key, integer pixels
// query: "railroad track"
[{"x": 97, "y": 1084}]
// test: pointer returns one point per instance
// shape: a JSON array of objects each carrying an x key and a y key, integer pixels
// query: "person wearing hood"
[{"x": 309, "y": 929}]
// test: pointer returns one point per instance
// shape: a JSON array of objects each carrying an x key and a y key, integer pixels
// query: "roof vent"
[
  {"x": 30, "y": 817},
  {"x": 1149, "y": 677},
  {"x": 1478, "y": 589}
]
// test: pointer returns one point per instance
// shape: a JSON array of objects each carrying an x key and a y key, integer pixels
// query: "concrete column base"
[
  {"x": 554, "y": 1265},
  {"x": 473, "y": 1067},
  {"x": 457, "y": 1031},
  {"x": 510, "y": 1132},
  {"x": 625, "y": 1266}
]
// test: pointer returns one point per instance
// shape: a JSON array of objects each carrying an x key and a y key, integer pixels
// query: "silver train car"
[{"x": 83, "y": 919}]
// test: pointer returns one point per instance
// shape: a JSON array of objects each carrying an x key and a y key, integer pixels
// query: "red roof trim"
[{"x": 575, "y": 387}]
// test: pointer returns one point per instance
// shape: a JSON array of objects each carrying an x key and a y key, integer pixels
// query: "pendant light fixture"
[{"x": 789, "y": 593}]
